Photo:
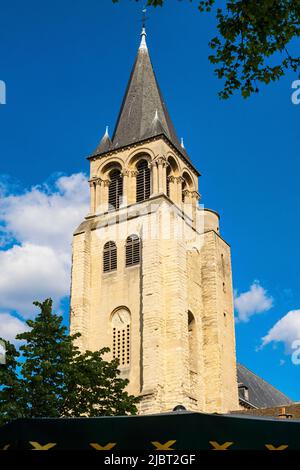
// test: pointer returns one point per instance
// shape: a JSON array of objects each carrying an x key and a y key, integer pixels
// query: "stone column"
[
  {"x": 162, "y": 174},
  {"x": 131, "y": 187},
  {"x": 188, "y": 203},
  {"x": 103, "y": 195},
  {"x": 154, "y": 178},
  {"x": 173, "y": 188},
  {"x": 179, "y": 181},
  {"x": 97, "y": 194},
  {"x": 195, "y": 199},
  {"x": 92, "y": 196},
  {"x": 126, "y": 181}
]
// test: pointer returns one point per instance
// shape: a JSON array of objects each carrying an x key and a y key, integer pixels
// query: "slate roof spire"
[
  {"x": 143, "y": 101},
  {"x": 143, "y": 113}
]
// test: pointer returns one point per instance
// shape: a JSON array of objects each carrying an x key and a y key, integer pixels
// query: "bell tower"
[{"x": 151, "y": 275}]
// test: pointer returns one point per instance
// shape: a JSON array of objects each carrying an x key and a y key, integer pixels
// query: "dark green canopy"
[{"x": 170, "y": 431}]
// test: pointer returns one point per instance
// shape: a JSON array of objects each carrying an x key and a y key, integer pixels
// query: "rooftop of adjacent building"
[{"x": 255, "y": 392}]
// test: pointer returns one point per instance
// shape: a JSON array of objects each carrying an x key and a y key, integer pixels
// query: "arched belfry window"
[
  {"x": 133, "y": 250},
  {"x": 109, "y": 257},
  {"x": 120, "y": 321},
  {"x": 115, "y": 191},
  {"x": 143, "y": 181}
]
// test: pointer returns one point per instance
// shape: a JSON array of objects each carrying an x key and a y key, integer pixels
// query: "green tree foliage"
[
  {"x": 11, "y": 396},
  {"x": 54, "y": 379},
  {"x": 252, "y": 43}
]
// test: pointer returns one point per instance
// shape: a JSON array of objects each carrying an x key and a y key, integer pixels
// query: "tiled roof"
[{"x": 261, "y": 393}]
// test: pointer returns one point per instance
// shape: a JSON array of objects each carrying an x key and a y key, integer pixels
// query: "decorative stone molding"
[
  {"x": 171, "y": 178},
  {"x": 162, "y": 160},
  {"x": 196, "y": 195},
  {"x": 134, "y": 173},
  {"x": 179, "y": 179},
  {"x": 159, "y": 160},
  {"x": 92, "y": 182},
  {"x": 186, "y": 192},
  {"x": 126, "y": 172},
  {"x": 99, "y": 182}
]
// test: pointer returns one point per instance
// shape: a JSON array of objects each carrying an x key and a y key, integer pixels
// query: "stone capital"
[
  {"x": 104, "y": 182},
  {"x": 161, "y": 160},
  {"x": 171, "y": 178},
  {"x": 92, "y": 182},
  {"x": 179, "y": 179}
]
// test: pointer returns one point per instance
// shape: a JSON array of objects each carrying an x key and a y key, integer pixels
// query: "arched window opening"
[
  {"x": 109, "y": 257},
  {"x": 192, "y": 343},
  {"x": 121, "y": 336},
  {"x": 115, "y": 189},
  {"x": 133, "y": 250},
  {"x": 143, "y": 181},
  {"x": 223, "y": 264}
]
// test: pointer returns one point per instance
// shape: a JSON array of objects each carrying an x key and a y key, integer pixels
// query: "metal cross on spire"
[
  {"x": 144, "y": 17},
  {"x": 143, "y": 45}
]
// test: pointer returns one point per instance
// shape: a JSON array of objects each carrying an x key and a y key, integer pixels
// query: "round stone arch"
[
  {"x": 113, "y": 163},
  {"x": 174, "y": 166},
  {"x": 132, "y": 162},
  {"x": 189, "y": 179},
  {"x": 136, "y": 155},
  {"x": 120, "y": 321}
]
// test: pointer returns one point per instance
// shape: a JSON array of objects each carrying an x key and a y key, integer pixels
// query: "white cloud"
[
  {"x": 10, "y": 326},
  {"x": 32, "y": 272},
  {"x": 40, "y": 222},
  {"x": 252, "y": 302},
  {"x": 46, "y": 216},
  {"x": 286, "y": 330}
]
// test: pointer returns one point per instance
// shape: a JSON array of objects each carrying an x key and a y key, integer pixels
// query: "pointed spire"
[
  {"x": 143, "y": 101},
  {"x": 104, "y": 145},
  {"x": 143, "y": 44},
  {"x": 182, "y": 143}
]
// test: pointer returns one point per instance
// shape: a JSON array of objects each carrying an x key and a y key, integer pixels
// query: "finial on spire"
[
  {"x": 182, "y": 143},
  {"x": 143, "y": 44},
  {"x": 106, "y": 131}
]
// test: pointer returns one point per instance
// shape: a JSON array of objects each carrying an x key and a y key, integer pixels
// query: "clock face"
[{"x": 121, "y": 318}]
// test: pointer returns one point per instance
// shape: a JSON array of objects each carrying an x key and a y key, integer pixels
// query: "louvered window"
[
  {"x": 115, "y": 190},
  {"x": 133, "y": 250},
  {"x": 143, "y": 181},
  {"x": 109, "y": 257}
]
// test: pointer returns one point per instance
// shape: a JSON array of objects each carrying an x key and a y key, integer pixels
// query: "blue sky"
[{"x": 66, "y": 66}]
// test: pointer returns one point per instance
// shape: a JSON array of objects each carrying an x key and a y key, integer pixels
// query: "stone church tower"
[{"x": 151, "y": 274}]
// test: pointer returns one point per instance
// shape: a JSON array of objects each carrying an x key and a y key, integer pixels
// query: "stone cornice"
[{"x": 145, "y": 141}]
